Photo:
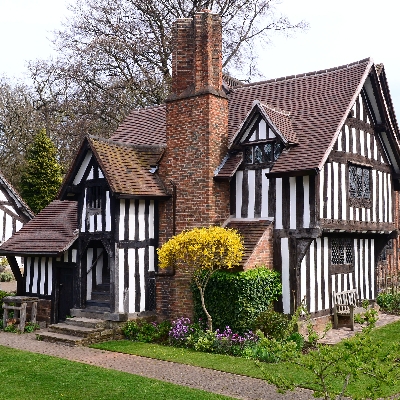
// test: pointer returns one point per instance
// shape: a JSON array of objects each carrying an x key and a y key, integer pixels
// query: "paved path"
[
  {"x": 8, "y": 286},
  {"x": 231, "y": 385},
  {"x": 336, "y": 335}
]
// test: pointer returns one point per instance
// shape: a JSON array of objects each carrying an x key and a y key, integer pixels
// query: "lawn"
[
  {"x": 35, "y": 376},
  {"x": 384, "y": 337}
]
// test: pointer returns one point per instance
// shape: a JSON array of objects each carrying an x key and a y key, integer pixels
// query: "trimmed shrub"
[
  {"x": 236, "y": 299},
  {"x": 272, "y": 324},
  {"x": 148, "y": 332}
]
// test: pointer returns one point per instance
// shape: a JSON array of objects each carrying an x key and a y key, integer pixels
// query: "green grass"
[
  {"x": 35, "y": 376},
  {"x": 384, "y": 336}
]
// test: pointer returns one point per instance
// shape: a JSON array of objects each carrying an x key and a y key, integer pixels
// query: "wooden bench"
[
  {"x": 19, "y": 308},
  {"x": 346, "y": 304}
]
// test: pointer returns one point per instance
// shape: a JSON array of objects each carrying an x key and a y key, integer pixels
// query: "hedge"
[{"x": 235, "y": 299}]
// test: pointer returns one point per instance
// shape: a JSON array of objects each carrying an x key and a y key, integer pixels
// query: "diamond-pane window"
[
  {"x": 359, "y": 182},
  {"x": 277, "y": 150},
  {"x": 258, "y": 156},
  {"x": 268, "y": 152},
  {"x": 265, "y": 153},
  {"x": 341, "y": 251}
]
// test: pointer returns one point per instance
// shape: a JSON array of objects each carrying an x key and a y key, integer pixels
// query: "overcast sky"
[{"x": 341, "y": 32}]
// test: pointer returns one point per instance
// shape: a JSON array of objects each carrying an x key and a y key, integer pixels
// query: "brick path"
[{"x": 239, "y": 387}]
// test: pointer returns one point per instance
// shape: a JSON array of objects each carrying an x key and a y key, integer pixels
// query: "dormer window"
[{"x": 262, "y": 153}]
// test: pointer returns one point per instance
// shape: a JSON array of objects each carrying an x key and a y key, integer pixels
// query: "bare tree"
[
  {"x": 19, "y": 122},
  {"x": 115, "y": 55}
]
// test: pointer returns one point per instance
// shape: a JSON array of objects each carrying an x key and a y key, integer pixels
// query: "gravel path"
[{"x": 235, "y": 386}]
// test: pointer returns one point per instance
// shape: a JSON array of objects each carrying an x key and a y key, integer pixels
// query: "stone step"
[
  {"x": 97, "y": 304},
  {"x": 86, "y": 322},
  {"x": 68, "y": 340},
  {"x": 97, "y": 313},
  {"x": 73, "y": 330},
  {"x": 72, "y": 340},
  {"x": 102, "y": 287},
  {"x": 101, "y": 296}
]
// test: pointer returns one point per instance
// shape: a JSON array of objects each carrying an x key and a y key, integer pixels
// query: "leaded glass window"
[
  {"x": 341, "y": 251},
  {"x": 359, "y": 182},
  {"x": 263, "y": 153},
  {"x": 277, "y": 150},
  {"x": 258, "y": 155},
  {"x": 268, "y": 152}
]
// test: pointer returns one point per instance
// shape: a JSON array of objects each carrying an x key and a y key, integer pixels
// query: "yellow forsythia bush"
[{"x": 203, "y": 249}]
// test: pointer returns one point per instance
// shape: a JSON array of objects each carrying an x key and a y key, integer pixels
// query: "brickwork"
[
  {"x": 174, "y": 297},
  {"x": 197, "y": 139},
  {"x": 44, "y": 312},
  {"x": 388, "y": 273},
  {"x": 263, "y": 251}
]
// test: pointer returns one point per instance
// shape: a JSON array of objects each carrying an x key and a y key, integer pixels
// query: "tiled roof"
[
  {"x": 251, "y": 232},
  {"x": 282, "y": 121},
  {"x": 52, "y": 231},
  {"x": 318, "y": 103},
  {"x": 229, "y": 166},
  {"x": 127, "y": 167},
  {"x": 143, "y": 126}
]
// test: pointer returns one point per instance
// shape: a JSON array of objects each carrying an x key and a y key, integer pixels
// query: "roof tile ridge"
[
  {"x": 276, "y": 109},
  {"x": 127, "y": 145},
  {"x": 302, "y": 75}
]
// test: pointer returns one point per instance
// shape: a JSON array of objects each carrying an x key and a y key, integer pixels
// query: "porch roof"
[
  {"x": 251, "y": 231},
  {"x": 51, "y": 232}
]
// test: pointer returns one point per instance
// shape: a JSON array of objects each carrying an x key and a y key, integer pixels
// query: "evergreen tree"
[{"x": 41, "y": 176}]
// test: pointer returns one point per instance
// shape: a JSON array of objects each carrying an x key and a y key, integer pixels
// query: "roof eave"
[{"x": 282, "y": 174}]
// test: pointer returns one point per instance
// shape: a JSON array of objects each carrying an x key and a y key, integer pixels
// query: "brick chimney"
[
  {"x": 197, "y": 56},
  {"x": 197, "y": 123},
  {"x": 197, "y": 138}
]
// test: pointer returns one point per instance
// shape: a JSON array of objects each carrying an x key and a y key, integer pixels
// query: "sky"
[{"x": 341, "y": 32}]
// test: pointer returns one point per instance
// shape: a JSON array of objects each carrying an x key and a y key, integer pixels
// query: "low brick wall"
[{"x": 44, "y": 313}]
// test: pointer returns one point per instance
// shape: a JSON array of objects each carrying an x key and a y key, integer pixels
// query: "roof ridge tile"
[{"x": 305, "y": 74}]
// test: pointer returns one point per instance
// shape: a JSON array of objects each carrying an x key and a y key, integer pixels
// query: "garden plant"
[{"x": 201, "y": 252}]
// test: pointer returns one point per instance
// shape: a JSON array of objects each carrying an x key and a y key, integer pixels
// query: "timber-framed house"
[
  {"x": 306, "y": 167},
  {"x": 14, "y": 213}
]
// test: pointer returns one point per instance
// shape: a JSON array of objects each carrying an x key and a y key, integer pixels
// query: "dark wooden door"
[{"x": 65, "y": 288}]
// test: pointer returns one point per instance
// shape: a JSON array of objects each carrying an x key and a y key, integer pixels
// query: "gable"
[
  {"x": 127, "y": 169},
  {"x": 13, "y": 211},
  {"x": 358, "y": 137},
  {"x": 318, "y": 103}
]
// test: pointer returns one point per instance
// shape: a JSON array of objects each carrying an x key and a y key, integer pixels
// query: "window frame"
[
  {"x": 359, "y": 201},
  {"x": 267, "y": 161},
  {"x": 348, "y": 247}
]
